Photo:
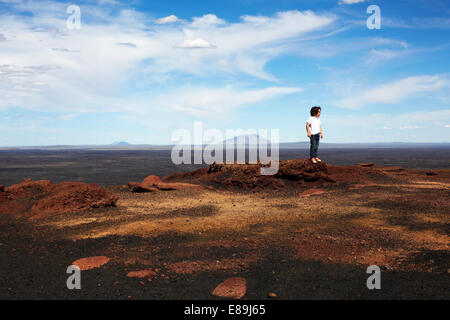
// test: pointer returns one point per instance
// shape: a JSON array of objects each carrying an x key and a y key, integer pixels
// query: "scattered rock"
[
  {"x": 91, "y": 262},
  {"x": 138, "y": 188},
  {"x": 431, "y": 173},
  {"x": 153, "y": 183},
  {"x": 234, "y": 288},
  {"x": 272, "y": 295},
  {"x": 147, "y": 273}
]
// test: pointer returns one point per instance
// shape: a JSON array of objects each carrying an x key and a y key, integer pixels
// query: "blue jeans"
[{"x": 315, "y": 139}]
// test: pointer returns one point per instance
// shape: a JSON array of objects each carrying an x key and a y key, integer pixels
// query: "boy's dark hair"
[{"x": 315, "y": 111}]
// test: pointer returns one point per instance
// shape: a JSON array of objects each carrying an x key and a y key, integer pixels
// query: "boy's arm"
[
  {"x": 321, "y": 133},
  {"x": 307, "y": 130}
]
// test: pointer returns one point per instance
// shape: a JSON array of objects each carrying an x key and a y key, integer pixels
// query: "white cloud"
[
  {"x": 195, "y": 44},
  {"x": 169, "y": 19},
  {"x": 447, "y": 126},
  {"x": 91, "y": 68},
  {"x": 382, "y": 55},
  {"x": 206, "y": 21},
  {"x": 350, "y": 1},
  {"x": 396, "y": 91}
]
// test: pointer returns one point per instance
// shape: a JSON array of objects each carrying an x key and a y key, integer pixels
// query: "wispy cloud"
[
  {"x": 217, "y": 102},
  {"x": 127, "y": 44},
  {"x": 87, "y": 82},
  {"x": 396, "y": 91}
]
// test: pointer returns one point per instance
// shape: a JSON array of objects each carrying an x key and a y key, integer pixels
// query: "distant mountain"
[
  {"x": 246, "y": 140},
  {"x": 120, "y": 143}
]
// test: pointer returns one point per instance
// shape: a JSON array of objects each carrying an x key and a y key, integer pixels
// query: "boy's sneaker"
[
  {"x": 313, "y": 161},
  {"x": 318, "y": 160}
]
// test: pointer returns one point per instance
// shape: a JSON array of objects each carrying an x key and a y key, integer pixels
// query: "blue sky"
[{"x": 137, "y": 71}]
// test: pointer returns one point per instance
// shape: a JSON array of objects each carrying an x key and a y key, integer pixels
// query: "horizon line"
[{"x": 169, "y": 145}]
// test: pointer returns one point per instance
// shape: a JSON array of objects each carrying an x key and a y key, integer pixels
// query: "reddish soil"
[{"x": 227, "y": 222}]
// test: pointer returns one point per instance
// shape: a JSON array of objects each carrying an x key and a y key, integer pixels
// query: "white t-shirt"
[{"x": 314, "y": 125}]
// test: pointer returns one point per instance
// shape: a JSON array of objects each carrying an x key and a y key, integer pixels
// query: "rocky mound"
[
  {"x": 248, "y": 176},
  {"x": 154, "y": 183},
  {"x": 44, "y": 197},
  {"x": 294, "y": 172}
]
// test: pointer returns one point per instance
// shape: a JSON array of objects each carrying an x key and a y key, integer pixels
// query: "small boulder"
[
  {"x": 138, "y": 188},
  {"x": 151, "y": 181},
  {"x": 91, "y": 262},
  {"x": 234, "y": 288},
  {"x": 147, "y": 273}
]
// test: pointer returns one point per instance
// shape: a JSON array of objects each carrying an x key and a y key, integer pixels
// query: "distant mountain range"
[{"x": 239, "y": 141}]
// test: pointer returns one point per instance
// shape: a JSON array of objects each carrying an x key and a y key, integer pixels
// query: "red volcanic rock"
[
  {"x": 177, "y": 186},
  {"x": 153, "y": 183},
  {"x": 28, "y": 188},
  {"x": 303, "y": 170},
  {"x": 138, "y": 188},
  {"x": 91, "y": 262},
  {"x": 234, "y": 288},
  {"x": 291, "y": 173},
  {"x": 3, "y": 195},
  {"x": 74, "y": 196},
  {"x": 43, "y": 197},
  {"x": 148, "y": 273},
  {"x": 186, "y": 175},
  {"x": 248, "y": 176}
]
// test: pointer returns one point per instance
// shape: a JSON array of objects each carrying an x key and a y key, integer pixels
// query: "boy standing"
[{"x": 314, "y": 130}]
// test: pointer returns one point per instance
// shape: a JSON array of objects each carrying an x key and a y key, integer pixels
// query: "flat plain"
[{"x": 311, "y": 241}]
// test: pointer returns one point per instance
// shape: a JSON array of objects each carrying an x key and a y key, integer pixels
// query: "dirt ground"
[{"x": 307, "y": 242}]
